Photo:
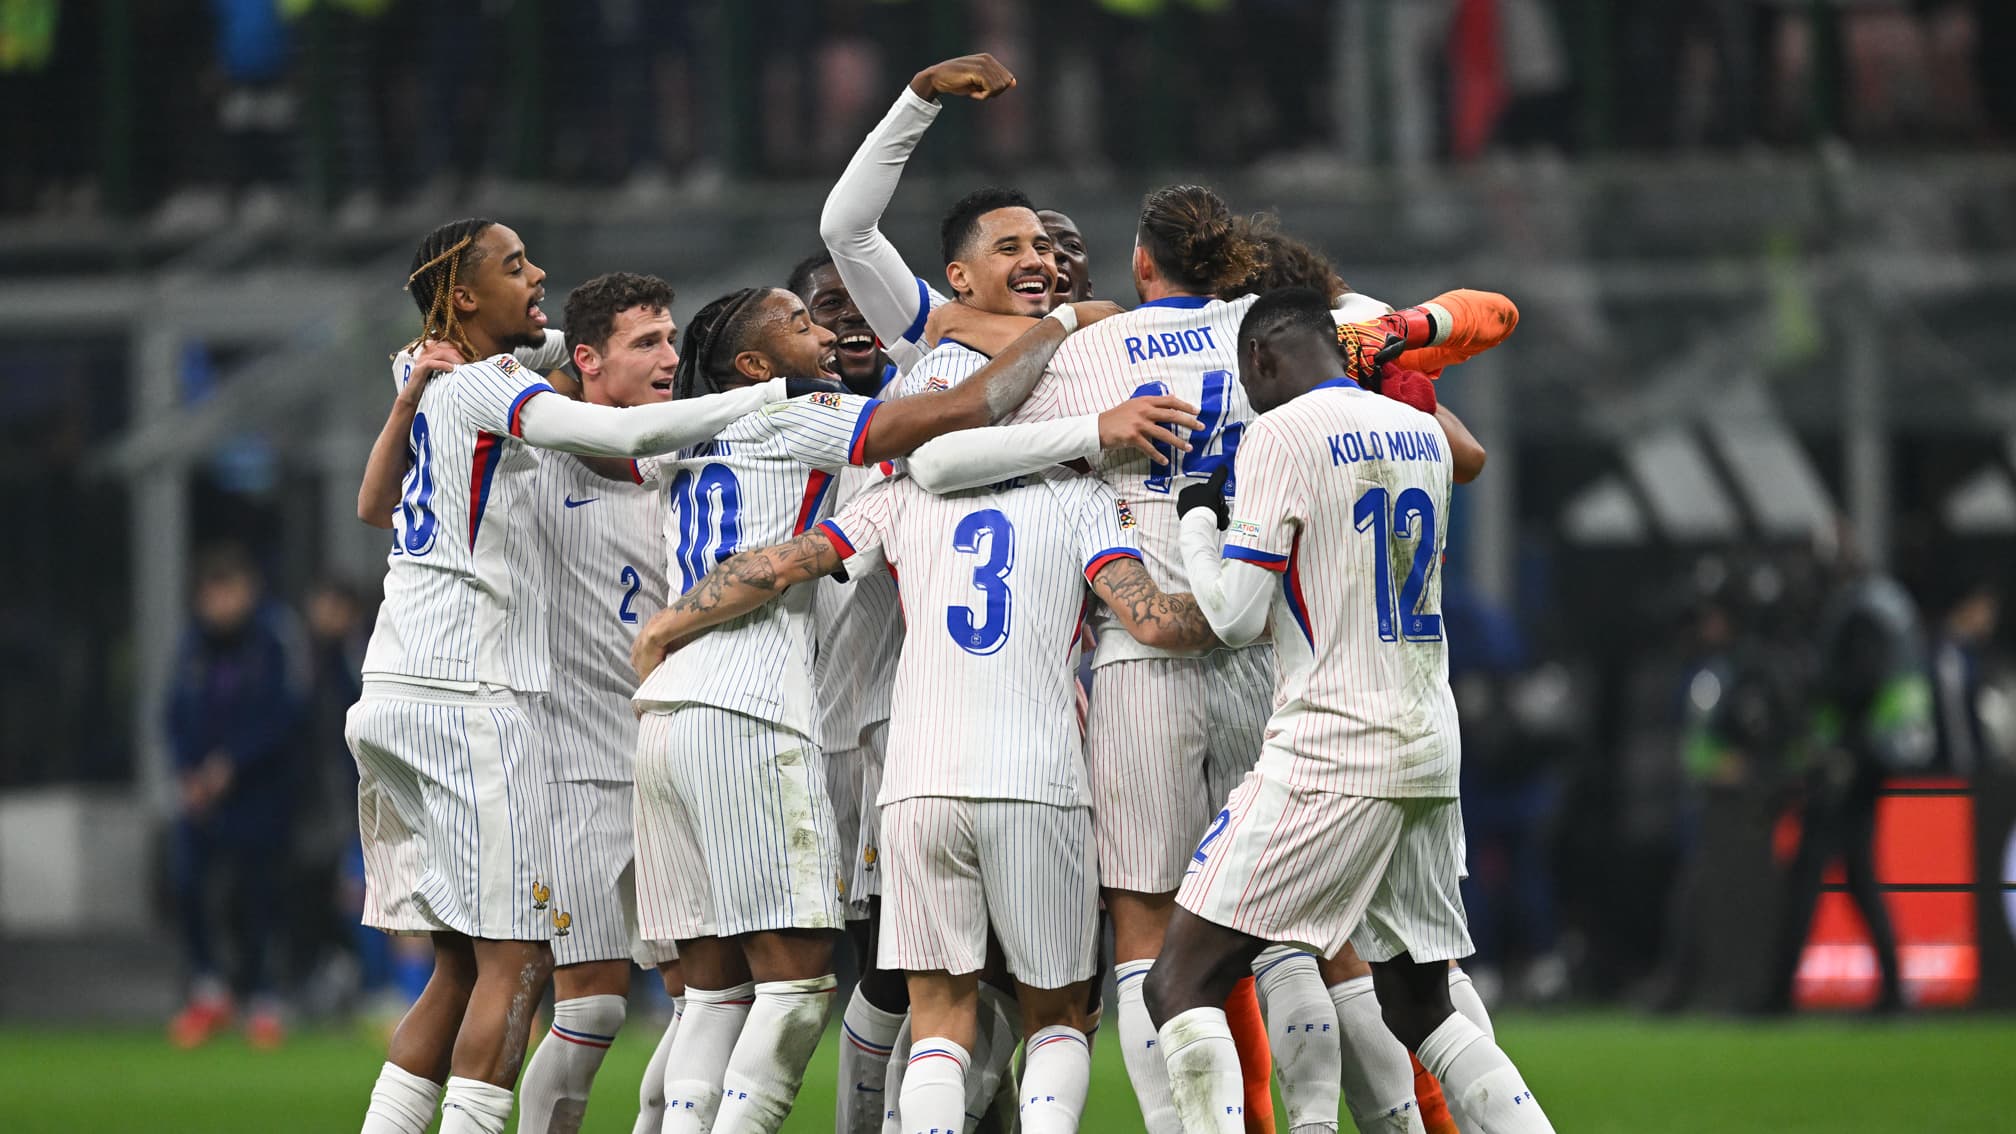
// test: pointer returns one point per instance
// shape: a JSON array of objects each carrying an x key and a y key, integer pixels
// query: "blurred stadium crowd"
[{"x": 195, "y": 112}]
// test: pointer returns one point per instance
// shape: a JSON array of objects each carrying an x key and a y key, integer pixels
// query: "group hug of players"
[{"x": 852, "y": 537}]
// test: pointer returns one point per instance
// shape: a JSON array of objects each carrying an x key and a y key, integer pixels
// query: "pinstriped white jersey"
[
  {"x": 764, "y": 479},
  {"x": 993, "y": 584},
  {"x": 1184, "y": 346},
  {"x": 860, "y": 632},
  {"x": 463, "y": 600},
  {"x": 1346, "y": 494},
  {"x": 908, "y": 348},
  {"x": 605, "y": 577},
  {"x": 949, "y": 363}
]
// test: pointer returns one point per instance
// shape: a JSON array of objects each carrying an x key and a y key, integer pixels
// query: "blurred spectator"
[
  {"x": 1957, "y": 665},
  {"x": 232, "y": 719},
  {"x": 1872, "y": 716},
  {"x": 1511, "y": 718},
  {"x": 321, "y": 930}
]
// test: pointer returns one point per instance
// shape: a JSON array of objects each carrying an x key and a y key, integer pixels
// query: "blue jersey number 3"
[
  {"x": 990, "y": 578},
  {"x": 416, "y": 520}
]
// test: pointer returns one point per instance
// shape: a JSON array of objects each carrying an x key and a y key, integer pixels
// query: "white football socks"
[
  {"x": 1302, "y": 1030},
  {"x": 1485, "y": 1092},
  {"x": 1204, "y": 1081},
  {"x": 472, "y": 1106},
  {"x": 934, "y": 1088},
  {"x": 553, "y": 1095},
  {"x": 401, "y": 1102},
  {"x": 1140, "y": 1050},
  {"x": 1463, "y": 994},
  {"x": 699, "y": 1055},
  {"x": 651, "y": 1092},
  {"x": 768, "y": 1066},
  {"x": 867, "y": 1035},
  {"x": 1055, "y": 1076},
  {"x": 1378, "y": 1077}
]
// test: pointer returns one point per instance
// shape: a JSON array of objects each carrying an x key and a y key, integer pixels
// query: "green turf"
[{"x": 1593, "y": 1073}]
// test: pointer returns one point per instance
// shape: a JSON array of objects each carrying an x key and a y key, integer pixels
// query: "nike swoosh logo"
[
  {"x": 868, "y": 1089},
  {"x": 573, "y": 503}
]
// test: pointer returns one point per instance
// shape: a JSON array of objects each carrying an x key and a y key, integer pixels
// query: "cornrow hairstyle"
[
  {"x": 1300, "y": 310},
  {"x": 447, "y": 255},
  {"x": 800, "y": 283},
  {"x": 714, "y": 336},
  {"x": 592, "y": 308},
  {"x": 1195, "y": 241},
  {"x": 962, "y": 221}
]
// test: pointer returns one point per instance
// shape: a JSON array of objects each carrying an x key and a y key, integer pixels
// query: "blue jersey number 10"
[{"x": 1411, "y": 520}]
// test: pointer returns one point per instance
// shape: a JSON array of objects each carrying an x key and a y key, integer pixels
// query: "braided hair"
[
  {"x": 714, "y": 336},
  {"x": 447, "y": 255}
]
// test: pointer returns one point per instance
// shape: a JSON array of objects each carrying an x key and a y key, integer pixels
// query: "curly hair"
[
  {"x": 592, "y": 308},
  {"x": 962, "y": 221},
  {"x": 1285, "y": 262}
]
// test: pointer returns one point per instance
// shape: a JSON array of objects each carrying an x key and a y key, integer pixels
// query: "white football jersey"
[
  {"x": 761, "y": 481},
  {"x": 605, "y": 577},
  {"x": 949, "y": 363},
  {"x": 1186, "y": 346},
  {"x": 993, "y": 584},
  {"x": 859, "y": 632},
  {"x": 463, "y": 585},
  {"x": 1346, "y": 494}
]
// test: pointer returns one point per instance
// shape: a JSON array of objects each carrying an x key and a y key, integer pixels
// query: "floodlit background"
[{"x": 1764, "y": 251}]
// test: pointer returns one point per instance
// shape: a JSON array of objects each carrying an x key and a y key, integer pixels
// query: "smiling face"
[
  {"x": 1007, "y": 266},
  {"x": 499, "y": 301},
  {"x": 1074, "y": 268},
  {"x": 635, "y": 366},
  {"x": 787, "y": 343},
  {"x": 859, "y": 359}
]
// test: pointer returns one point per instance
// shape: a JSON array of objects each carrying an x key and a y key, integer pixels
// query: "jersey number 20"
[
  {"x": 415, "y": 518},
  {"x": 1412, "y": 519},
  {"x": 990, "y": 578}
]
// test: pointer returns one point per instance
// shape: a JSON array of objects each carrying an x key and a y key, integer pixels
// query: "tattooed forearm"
[{"x": 1153, "y": 616}]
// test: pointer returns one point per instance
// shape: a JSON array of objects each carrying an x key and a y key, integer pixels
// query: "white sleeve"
[
  {"x": 551, "y": 421},
  {"x": 970, "y": 458},
  {"x": 890, "y": 296},
  {"x": 550, "y": 355},
  {"x": 1235, "y": 595}
]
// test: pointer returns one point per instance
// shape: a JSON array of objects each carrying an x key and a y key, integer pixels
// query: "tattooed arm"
[
  {"x": 1153, "y": 616},
  {"x": 743, "y": 583}
]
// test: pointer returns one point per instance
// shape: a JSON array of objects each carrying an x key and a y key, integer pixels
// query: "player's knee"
[{"x": 886, "y": 989}]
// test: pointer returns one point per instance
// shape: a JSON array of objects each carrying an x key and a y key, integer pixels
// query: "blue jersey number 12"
[{"x": 1412, "y": 519}]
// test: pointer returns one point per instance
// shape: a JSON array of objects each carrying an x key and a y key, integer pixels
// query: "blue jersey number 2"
[
  {"x": 634, "y": 581},
  {"x": 1412, "y": 519},
  {"x": 990, "y": 578}
]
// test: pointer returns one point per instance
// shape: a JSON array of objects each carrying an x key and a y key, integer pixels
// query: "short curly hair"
[{"x": 592, "y": 308}]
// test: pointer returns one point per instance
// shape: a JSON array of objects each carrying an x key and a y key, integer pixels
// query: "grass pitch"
[{"x": 1591, "y": 1072}]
